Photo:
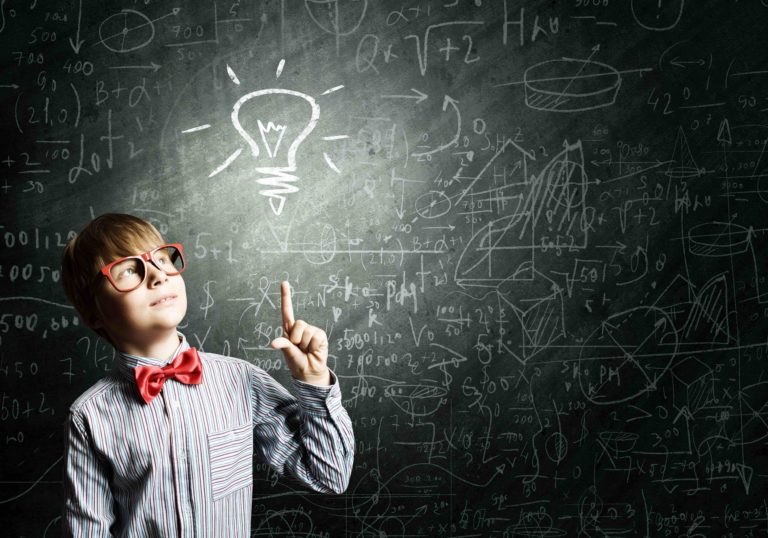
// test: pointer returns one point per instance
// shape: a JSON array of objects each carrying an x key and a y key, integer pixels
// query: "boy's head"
[{"x": 124, "y": 316}]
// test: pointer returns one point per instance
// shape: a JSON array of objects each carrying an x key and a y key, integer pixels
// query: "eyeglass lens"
[{"x": 130, "y": 273}]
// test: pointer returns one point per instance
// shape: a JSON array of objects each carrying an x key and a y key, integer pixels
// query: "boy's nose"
[{"x": 155, "y": 275}]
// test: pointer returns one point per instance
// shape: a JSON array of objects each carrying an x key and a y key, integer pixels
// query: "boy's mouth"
[{"x": 163, "y": 300}]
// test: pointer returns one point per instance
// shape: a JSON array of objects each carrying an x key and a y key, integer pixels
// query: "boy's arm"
[
  {"x": 309, "y": 437},
  {"x": 88, "y": 501}
]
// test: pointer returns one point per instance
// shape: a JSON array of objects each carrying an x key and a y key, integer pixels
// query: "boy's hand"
[{"x": 304, "y": 346}]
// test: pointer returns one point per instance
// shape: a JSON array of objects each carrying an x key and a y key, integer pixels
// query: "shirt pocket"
[{"x": 230, "y": 458}]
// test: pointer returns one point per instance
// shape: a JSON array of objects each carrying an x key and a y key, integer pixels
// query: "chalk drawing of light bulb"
[
  {"x": 264, "y": 135},
  {"x": 271, "y": 135}
]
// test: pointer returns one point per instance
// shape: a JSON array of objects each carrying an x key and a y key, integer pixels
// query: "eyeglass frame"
[{"x": 144, "y": 257}]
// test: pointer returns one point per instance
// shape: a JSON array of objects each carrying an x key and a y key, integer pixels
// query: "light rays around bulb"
[
  {"x": 226, "y": 163},
  {"x": 327, "y": 157},
  {"x": 232, "y": 75},
  {"x": 334, "y": 89},
  {"x": 330, "y": 163},
  {"x": 198, "y": 128}
]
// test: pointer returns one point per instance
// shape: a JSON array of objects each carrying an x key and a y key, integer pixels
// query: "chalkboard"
[{"x": 535, "y": 233}]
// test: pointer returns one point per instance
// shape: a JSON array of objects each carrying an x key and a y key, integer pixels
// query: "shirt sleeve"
[
  {"x": 309, "y": 437},
  {"x": 88, "y": 501}
]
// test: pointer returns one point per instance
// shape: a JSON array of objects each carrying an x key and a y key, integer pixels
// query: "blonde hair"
[{"x": 106, "y": 238}]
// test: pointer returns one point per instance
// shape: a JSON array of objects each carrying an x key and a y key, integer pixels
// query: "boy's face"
[{"x": 135, "y": 316}]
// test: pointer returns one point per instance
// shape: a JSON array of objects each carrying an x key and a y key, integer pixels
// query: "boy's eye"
[
  {"x": 126, "y": 269},
  {"x": 125, "y": 272}
]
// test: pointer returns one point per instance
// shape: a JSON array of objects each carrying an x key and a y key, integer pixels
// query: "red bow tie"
[{"x": 185, "y": 367}]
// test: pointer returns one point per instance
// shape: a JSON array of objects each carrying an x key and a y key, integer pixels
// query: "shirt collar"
[{"x": 126, "y": 362}]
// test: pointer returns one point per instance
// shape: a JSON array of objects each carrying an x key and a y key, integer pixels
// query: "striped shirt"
[{"x": 182, "y": 465}]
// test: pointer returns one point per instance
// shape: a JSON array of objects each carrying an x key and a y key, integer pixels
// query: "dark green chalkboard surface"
[{"x": 535, "y": 233}]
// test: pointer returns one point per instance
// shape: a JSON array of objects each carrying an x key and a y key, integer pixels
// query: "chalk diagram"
[
  {"x": 621, "y": 360},
  {"x": 553, "y": 204},
  {"x": 417, "y": 400},
  {"x": 682, "y": 165},
  {"x": 276, "y": 165},
  {"x": 626, "y": 355},
  {"x": 571, "y": 84},
  {"x": 129, "y": 30},
  {"x": 547, "y": 212},
  {"x": 657, "y": 15}
]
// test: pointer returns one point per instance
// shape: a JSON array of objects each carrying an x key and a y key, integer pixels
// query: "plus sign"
[
  {"x": 448, "y": 48},
  {"x": 8, "y": 161},
  {"x": 5, "y": 186},
  {"x": 118, "y": 90}
]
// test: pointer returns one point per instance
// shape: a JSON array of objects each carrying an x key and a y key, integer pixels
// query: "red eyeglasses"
[{"x": 127, "y": 274}]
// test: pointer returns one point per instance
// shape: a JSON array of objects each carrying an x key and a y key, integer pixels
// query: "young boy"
[{"x": 163, "y": 445}]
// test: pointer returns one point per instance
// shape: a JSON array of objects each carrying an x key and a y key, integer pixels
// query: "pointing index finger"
[{"x": 286, "y": 306}]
